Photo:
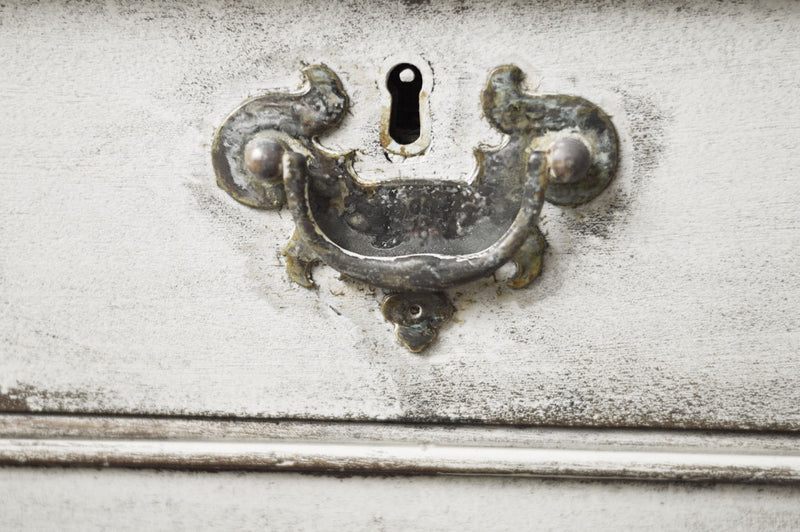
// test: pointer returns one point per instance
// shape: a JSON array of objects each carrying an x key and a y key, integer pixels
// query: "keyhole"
[{"x": 404, "y": 83}]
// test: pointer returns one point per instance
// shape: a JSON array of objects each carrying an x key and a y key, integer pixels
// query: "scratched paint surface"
[{"x": 130, "y": 283}]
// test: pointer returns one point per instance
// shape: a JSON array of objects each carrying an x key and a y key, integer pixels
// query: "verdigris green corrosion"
[{"x": 415, "y": 238}]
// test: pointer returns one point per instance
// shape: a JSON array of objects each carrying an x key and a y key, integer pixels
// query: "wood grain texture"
[
  {"x": 130, "y": 284},
  {"x": 84, "y": 500}
]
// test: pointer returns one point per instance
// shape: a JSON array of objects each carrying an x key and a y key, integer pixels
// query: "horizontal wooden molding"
[{"x": 375, "y": 448}]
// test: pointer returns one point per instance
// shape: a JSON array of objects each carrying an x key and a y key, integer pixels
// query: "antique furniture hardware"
[{"x": 415, "y": 238}]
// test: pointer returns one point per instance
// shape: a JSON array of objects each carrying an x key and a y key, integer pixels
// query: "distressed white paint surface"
[
  {"x": 130, "y": 283},
  {"x": 123, "y": 500}
]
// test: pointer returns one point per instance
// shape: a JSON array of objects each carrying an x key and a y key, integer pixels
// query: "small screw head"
[
  {"x": 262, "y": 158},
  {"x": 415, "y": 311},
  {"x": 569, "y": 160}
]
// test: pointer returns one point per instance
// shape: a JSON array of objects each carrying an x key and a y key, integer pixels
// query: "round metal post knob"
[
  {"x": 569, "y": 160},
  {"x": 262, "y": 158}
]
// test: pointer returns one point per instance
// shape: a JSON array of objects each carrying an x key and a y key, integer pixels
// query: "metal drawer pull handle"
[{"x": 415, "y": 238}]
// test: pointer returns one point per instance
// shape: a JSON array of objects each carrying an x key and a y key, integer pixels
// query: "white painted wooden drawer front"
[{"x": 132, "y": 284}]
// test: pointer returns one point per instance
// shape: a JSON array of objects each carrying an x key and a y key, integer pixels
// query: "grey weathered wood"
[{"x": 130, "y": 284}]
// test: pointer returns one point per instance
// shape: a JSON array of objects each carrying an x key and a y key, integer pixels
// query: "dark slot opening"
[{"x": 404, "y": 84}]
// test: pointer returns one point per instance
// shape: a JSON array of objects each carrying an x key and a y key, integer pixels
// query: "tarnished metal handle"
[
  {"x": 415, "y": 238},
  {"x": 427, "y": 271}
]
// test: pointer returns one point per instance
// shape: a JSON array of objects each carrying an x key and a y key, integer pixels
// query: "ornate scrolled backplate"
[{"x": 415, "y": 238}]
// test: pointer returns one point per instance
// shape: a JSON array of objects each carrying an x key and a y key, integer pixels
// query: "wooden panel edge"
[{"x": 373, "y": 448}]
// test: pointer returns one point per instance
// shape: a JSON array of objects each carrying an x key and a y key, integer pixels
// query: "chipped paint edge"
[{"x": 397, "y": 449}]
